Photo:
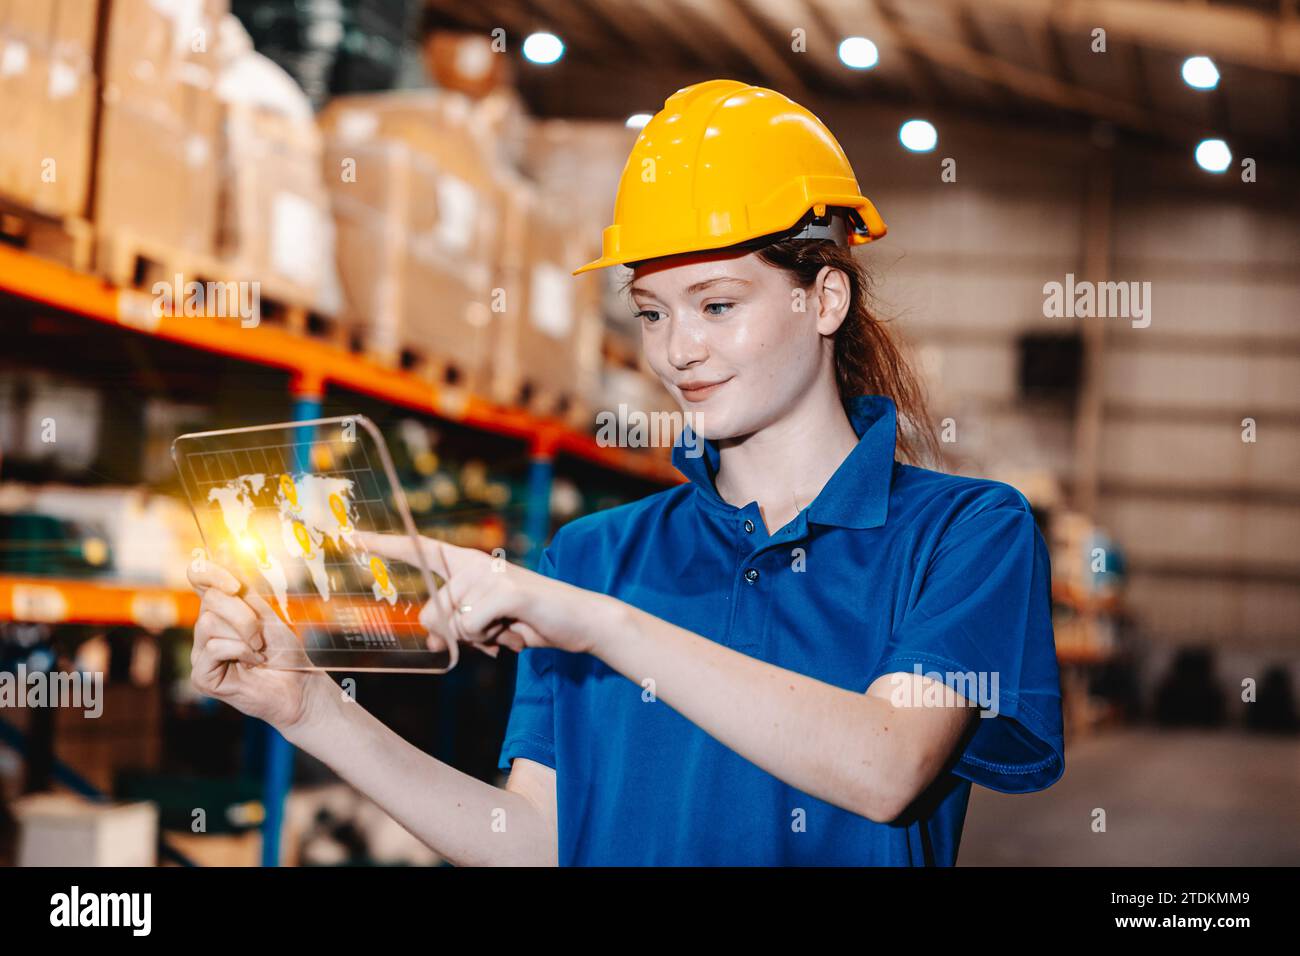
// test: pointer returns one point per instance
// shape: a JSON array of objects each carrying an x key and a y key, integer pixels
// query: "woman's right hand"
[{"x": 233, "y": 637}]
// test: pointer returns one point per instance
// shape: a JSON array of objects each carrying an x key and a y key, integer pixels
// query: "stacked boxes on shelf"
[
  {"x": 274, "y": 212},
  {"x": 578, "y": 163},
  {"x": 47, "y": 108},
  {"x": 418, "y": 217},
  {"x": 548, "y": 327},
  {"x": 439, "y": 226},
  {"x": 47, "y": 103},
  {"x": 159, "y": 139},
  {"x": 275, "y": 224}
]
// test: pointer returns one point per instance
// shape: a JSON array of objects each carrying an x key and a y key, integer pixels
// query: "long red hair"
[{"x": 869, "y": 358}]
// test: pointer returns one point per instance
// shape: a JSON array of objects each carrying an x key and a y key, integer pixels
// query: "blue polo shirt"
[{"x": 890, "y": 568}]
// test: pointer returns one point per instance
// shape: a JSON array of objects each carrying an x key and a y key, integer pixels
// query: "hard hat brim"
[{"x": 873, "y": 228}]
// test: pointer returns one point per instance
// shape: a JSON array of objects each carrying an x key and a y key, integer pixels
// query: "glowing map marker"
[
  {"x": 289, "y": 490},
  {"x": 304, "y": 539},
  {"x": 380, "y": 572},
  {"x": 340, "y": 511}
]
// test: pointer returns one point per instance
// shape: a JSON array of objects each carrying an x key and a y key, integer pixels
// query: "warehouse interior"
[{"x": 1014, "y": 147}]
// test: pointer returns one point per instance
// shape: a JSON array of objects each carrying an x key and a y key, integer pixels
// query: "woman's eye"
[
  {"x": 719, "y": 305},
  {"x": 650, "y": 315}
]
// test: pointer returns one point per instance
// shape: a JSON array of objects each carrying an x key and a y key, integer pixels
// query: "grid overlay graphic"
[{"x": 355, "y": 622}]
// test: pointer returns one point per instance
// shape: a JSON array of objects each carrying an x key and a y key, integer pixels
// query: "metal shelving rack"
[{"x": 313, "y": 366}]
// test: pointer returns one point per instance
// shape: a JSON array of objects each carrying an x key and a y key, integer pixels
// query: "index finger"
[
  {"x": 401, "y": 547},
  {"x": 212, "y": 575}
]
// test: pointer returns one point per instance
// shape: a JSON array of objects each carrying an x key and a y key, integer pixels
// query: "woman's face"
[{"x": 732, "y": 338}]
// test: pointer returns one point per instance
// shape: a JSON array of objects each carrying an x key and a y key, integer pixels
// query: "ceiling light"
[
  {"x": 543, "y": 48},
  {"x": 858, "y": 53},
  {"x": 918, "y": 135}
]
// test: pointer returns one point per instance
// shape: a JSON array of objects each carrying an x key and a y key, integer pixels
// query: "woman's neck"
[{"x": 786, "y": 464}]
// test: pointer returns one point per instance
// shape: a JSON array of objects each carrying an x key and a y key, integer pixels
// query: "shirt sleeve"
[
  {"x": 982, "y": 625},
  {"x": 530, "y": 731}
]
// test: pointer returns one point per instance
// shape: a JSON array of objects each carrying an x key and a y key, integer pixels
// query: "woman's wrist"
[
  {"x": 323, "y": 710},
  {"x": 609, "y": 627}
]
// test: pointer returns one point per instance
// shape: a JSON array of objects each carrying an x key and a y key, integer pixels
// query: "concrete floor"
[{"x": 1172, "y": 798}]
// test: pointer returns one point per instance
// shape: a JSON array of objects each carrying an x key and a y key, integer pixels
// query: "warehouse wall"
[
  {"x": 1212, "y": 522},
  {"x": 1209, "y": 522},
  {"x": 962, "y": 272}
]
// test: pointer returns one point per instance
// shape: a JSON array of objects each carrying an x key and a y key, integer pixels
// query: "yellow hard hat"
[{"x": 724, "y": 163}]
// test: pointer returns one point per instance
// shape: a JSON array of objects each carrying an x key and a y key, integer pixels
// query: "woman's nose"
[{"x": 686, "y": 345}]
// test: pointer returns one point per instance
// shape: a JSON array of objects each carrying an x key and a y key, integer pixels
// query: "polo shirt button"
[
  {"x": 749, "y": 526},
  {"x": 751, "y": 575}
]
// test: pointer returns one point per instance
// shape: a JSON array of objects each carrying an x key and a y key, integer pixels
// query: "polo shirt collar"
[{"x": 857, "y": 494}]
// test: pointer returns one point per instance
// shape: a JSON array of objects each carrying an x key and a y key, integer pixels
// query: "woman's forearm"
[
  {"x": 837, "y": 745},
  {"x": 465, "y": 820}
]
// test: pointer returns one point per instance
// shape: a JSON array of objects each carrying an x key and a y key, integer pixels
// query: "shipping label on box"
[{"x": 550, "y": 300}]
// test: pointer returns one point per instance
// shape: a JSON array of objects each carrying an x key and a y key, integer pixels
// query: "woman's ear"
[{"x": 833, "y": 294}]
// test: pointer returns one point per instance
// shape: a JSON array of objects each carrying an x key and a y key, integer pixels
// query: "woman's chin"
[{"x": 708, "y": 424}]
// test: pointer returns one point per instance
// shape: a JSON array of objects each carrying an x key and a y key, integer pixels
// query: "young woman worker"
[{"x": 741, "y": 669}]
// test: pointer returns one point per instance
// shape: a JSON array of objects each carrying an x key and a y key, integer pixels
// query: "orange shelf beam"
[
  {"x": 314, "y": 364},
  {"x": 1079, "y": 600},
  {"x": 1082, "y": 655},
  {"x": 70, "y": 601}
]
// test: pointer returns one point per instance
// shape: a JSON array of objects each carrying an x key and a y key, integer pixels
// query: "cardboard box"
[
  {"x": 406, "y": 289},
  {"x": 157, "y": 171},
  {"x": 501, "y": 118},
  {"x": 274, "y": 208},
  {"x": 579, "y": 163},
  {"x": 64, "y": 830},
  {"x": 153, "y": 51},
  {"x": 417, "y": 215},
  {"x": 47, "y": 103},
  {"x": 546, "y": 352}
]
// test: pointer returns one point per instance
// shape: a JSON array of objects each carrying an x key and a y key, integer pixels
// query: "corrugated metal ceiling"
[{"x": 1026, "y": 61}]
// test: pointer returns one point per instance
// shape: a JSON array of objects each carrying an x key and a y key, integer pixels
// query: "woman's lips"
[{"x": 700, "y": 394}]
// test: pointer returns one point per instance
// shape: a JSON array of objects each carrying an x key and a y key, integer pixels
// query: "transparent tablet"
[{"x": 280, "y": 505}]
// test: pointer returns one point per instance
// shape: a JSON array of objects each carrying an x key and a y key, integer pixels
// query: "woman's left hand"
[{"x": 487, "y": 601}]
